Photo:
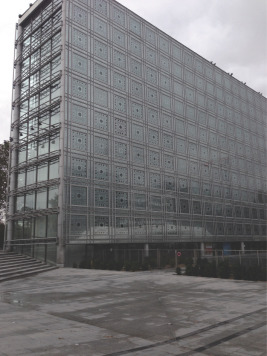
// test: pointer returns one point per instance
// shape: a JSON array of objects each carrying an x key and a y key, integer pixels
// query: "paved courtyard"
[{"x": 90, "y": 312}]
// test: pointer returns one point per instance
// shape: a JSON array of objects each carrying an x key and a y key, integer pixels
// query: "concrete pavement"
[{"x": 68, "y": 312}]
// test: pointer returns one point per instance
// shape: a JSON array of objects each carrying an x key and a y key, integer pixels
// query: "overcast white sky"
[{"x": 231, "y": 33}]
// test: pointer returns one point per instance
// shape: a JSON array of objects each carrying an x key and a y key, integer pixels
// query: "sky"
[{"x": 231, "y": 33}]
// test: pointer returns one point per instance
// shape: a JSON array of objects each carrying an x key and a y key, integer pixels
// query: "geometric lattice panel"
[
  {"x": 138, "y": 155},
  {"x": 101, "y": 224},
  {"x": 151, "y": 75},
  {"x": 101, "y": 198},
  {"x": 170, "y": 205},
  {"x": 140, "y": 226},
  {"x": 152, "y": 116},
  {"x": 101, "y": 171},
  {"x": 154, "y": 158},
  {"x": 138, "y": 177},
  {"x": 101, "y": 73},
  {"x": 119, "y": 104},
  {"x": 155, "y": 203},
  {"x": 155, "y": 180},
  {"x": 135, "y": 47},
  {"x": 100, "y": 50},
  {"x": 101, "y": 6},
  {"x": 137, "y": 110},
  {"x": 100, "y": 121},
  {"x": 79, "y": 114},
  {"x": 79, "y": 141},
  {"x": 135, "y": 26},
  {"x": 151, "y": 55},
  {"x": 79, "y": 167},
  {"x": 156, "y": 226},
  {"x": 119, "y": 81},
  {"x": 100, "y": 97},
  {"x": 140, "y": 201},
  {"x": 136, "y": 68},
  {"x": 120, "y": 150},
  {"x": 171, "y": 227},
  {"x": 79, "y": 89},
  {"x": 152, "y": 96},
  {"x": 120, "y": 127},
  {"x": 169, "y": 162},
  {"x": 101, "y": 146},
  {"x": 78, "y": 224},
  {"x": 119, "y": 38},
  {"x": 79, "y": 39},
  {"x": 153, "y": 137},
  {"x": 122, "y": 225},
  {"x": 169, "y": 183},
  {"x": 119, "y": 59},
  {"x": 137, "y": 89},
  {"x": 122, "y": 200},
  {"x": 78, "y": 195},
  {"x": 118, "y": 16},
  {"x": 137, "y": 132},
  {"x": 168, "y": 141},
  {"x": 167, "y": 121},
  {"x": 100, "y": 27},
  {"x": 121, "y": 175},
  {"x": 79, "y": 64}
]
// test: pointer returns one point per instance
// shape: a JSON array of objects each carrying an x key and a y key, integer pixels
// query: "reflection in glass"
[{"x": 53, "y": 198}]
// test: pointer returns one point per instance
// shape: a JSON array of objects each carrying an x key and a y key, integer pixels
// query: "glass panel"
[
  {"x": 55, "y": 116},
  {"x": 22, "y": 155},
  {"x": 42, "y": 147},
  {"x": 30, "y": 201},
  {"x": 55, "y": 90},
  {"x": 28, "y": 228},
  {"x": 45, "y": 71},
  {"x": 31, "y": 176},
  {"x": 52, "y": 226},
  {"x": 32, "y": 150},
  {"x": 53, "y": 198},
  {"x": 20, "y": 203},
  {"x": 33, "y": 102},
  {"x": 40, "y": 227},
  {"x": 42, "y": 173},
  {"x": 24, "y": 107},
  {"x": 53, "y": 170},
  {"x": 21, "y": 179},
  {"x": 54, "y": 144},
  {"x": 18, "y": 229},
  {"x": 41, "y": 200}
]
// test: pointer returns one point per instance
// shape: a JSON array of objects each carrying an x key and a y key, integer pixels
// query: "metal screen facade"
[{"x": 155, "y": 144}]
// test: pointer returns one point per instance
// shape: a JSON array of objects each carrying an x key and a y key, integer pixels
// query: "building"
[{"x": 123, "y": 136}]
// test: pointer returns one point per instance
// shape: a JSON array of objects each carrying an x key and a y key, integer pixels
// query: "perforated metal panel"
[
  {"x": 79, "y": 167},
  {"x": 78, "y": 195},
  {"x": 100, "y": 121},
  {"x": 101, "y": 198},
  {"x": 101, "y": 171},
  {"x": 122, "y": 200},
  {"x": 79, "y": 89},
  {"x": 121, "y": 175},
  {"x": 138, "y": 177},
  {"x": 79, "y": 141}
]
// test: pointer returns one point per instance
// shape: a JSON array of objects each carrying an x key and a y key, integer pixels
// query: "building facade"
[{"x": 122, "y": 135}]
